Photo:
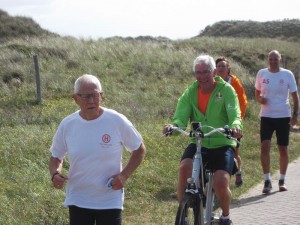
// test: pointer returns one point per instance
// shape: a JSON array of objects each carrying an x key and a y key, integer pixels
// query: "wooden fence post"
[{"x": 37, "y": 78}]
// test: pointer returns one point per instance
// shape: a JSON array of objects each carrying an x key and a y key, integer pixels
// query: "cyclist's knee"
[
  {"x": 186, "y": 166},
  {"x": 221, "y": 179}
]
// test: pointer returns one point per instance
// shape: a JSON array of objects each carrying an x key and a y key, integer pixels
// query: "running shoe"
[
  {"x": 238, "y": 179},
  {"x": 282, "y": 186},
  {"x": 225, "y": 222},
  {"x": 267, "y": 187}
]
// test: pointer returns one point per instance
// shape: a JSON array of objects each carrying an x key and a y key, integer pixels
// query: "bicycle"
[{"x": 197, "y": 204}]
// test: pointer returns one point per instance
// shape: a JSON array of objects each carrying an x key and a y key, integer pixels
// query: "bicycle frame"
[
  {"x": 210, "y": 199},
  {"x": 198, "y": 171},
  {"x": 197, "y": 163}
]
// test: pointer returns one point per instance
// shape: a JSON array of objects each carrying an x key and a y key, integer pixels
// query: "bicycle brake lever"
[
  {"x": 228, "y": 131},
  {"x": 169, "y": 131}
]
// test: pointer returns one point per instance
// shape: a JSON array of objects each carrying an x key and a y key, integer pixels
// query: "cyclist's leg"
[
  {"x": 222, "y": 190},
  {"x": 185, "y": 169},
  {"x": 223, "y": 162}
]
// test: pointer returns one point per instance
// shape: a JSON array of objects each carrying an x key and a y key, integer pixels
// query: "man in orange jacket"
[{"x": 223, "y": 70}]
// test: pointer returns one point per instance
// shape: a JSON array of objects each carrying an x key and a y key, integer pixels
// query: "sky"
[{"x": 174, "y": 19}]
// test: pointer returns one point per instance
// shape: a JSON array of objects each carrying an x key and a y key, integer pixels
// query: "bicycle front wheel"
[{"x": 190, "y": 211}]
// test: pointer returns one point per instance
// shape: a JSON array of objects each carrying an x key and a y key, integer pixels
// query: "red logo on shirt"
[
  {"x": 265, "y": 81},
  {"x": 106, "y": 138}
]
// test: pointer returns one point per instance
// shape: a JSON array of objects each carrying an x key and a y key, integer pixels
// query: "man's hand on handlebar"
[
  {"x": 237, "y": 133},
  {"x": 167, "y": 130}
]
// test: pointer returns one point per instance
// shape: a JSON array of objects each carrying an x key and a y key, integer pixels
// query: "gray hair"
[
  {"x": 204, "y": 59},
  {"x": 86, "y": 79},
  {"x": 274, "y": 52}
]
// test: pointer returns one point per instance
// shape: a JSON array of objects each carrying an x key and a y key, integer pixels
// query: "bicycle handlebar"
[
  {"x": 226, "y": 131},
  {"x": 171, "y": 129}
]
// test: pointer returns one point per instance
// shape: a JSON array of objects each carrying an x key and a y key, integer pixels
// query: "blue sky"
[{"x": 175, "y": 19}]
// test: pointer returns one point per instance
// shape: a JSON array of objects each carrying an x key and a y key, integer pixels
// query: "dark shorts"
[
  {"x": 80, "y": 216},
  {"x": 214, "y": 159},
  {"x": 281, "y": 126}
]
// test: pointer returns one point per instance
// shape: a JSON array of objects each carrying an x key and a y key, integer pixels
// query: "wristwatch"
[{"x": 296, "y": 113}]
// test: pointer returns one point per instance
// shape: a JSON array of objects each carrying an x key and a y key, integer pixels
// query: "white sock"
[
  {"x": 267, "y": 176},
  {"x": 282, "y": 177},
  {"x": 225, "y": 217}
]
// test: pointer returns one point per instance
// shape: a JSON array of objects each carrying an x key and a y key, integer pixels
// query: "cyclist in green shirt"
[{"x": 213, "y": 102}]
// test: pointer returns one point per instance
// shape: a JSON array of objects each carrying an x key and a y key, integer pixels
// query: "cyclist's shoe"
[
  {"x": 282, "y": 186},
  {"x": 238, "y": 179},
  {"x": 267, "y": 187},
  {"x": 225, "y": 222}
]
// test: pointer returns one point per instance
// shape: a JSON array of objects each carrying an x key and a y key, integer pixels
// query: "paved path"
[{"x": 276, "y": 208}]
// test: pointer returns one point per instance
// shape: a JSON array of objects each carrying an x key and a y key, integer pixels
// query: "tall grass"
[{"x": 141, "y": 79}]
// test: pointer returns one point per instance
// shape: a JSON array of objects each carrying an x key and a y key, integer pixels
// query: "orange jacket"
[{"x": 238, "y": 87}]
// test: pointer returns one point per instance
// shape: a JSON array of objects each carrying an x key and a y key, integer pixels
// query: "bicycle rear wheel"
[{"x": 190, "y": 211}]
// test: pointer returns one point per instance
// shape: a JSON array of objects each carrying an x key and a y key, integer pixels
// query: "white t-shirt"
[
  {"x": 94, "y": 149},
  {"x": 276, "y": 87}
]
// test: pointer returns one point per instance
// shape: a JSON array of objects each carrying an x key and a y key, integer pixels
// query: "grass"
[{"x": 141, "y": 79}]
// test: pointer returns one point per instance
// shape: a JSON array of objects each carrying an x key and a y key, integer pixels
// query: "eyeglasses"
[
  {"x": 204, "y": 72},
  {"x": 88, "y": 96}
]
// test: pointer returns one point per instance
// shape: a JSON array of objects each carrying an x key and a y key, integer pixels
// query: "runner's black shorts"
[
  {"x": 215, "y": 159},
  {"x": 281, "y": 126},
  {"x": 83, "y": 216}
]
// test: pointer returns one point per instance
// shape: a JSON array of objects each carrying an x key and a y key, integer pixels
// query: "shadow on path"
[{"x": 257, "y": 199}]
